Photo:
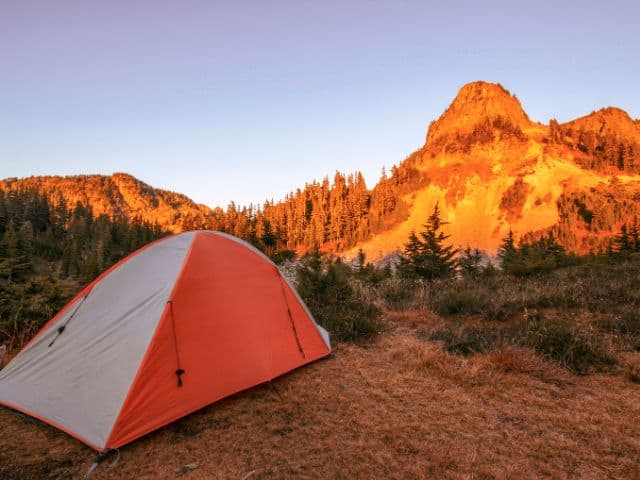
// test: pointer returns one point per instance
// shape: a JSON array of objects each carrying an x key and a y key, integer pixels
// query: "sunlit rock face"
[
  {"x": 477, "y": 101},
  {"x": 492, "y": 169}
]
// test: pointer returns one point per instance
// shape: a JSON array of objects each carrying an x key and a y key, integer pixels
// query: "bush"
[
  {"x": 491, "y": 299},
  {"x": 625, "y": 324},
  {"x": 403, "y": 294},
  {"x": 632, "y": 373},
  {"x": 469, "y": 340},
  {"x": 25, "y": 307},
  {"x": 577, "y": 347},
  {"x": 456, "y": 302},
  {"x": 282, "y": 256},
  {"x": 580, "y": 349},
  {"x": 329, "y": 294}
]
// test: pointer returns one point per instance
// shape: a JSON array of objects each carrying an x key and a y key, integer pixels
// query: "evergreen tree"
[
  {"x": 328, "y": 293},
  {"x": 470, "y": 262},
  {"x": 531, "y": 257},
  {"x": 623, "y": 243},
  {"x": 16, "y": 260},
  {"x": 634, "y": 236},
  {"x": 427, "y": 256},
  {"x": 25, "y": 239},
  {"x": 268, "y": 239},
  {"x": 550, "y": 246},
  {"x": 507, "y": 252},
  {"x": 3, "y": 213}
]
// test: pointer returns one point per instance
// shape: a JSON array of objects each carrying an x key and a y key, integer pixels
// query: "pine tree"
[
  {"x": 411, "y": 256},
  {"x": 268, "y": 239},
  {"x": 634, "y": 236},
  {"x": 25, "y": 239},
  {"x": 555, "y": 133},
  {"x": 16, "y": 260},
  {"x": 622, "y": 243},
  {"x": 507, "y": 252},
  {"x": 427, "y": 256},
  {"x": 361, "y": 259},
  {"x": 470, "y": 262},
  {"x": 550, "y": 246},
  {"x": 4, "y": 215},
  {"x": 531, "y": 257}
]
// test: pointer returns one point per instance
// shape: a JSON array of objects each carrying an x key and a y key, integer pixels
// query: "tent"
[{"x": 175, "y": 326}]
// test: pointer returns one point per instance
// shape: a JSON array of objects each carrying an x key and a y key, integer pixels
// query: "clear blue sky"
[{"x": 248, "y": 100}]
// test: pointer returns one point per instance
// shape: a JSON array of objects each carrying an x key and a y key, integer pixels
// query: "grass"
[
  {"x": 579, "y": 348},
  {"x": 401, "y": 408},
  {"x": 494, "y": 378},
  {"x": 585, "y": 317},
  {"x": 468, "y": 340}
]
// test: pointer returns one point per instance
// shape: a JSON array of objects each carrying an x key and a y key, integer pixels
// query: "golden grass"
[{"x": 398, "y": 408}]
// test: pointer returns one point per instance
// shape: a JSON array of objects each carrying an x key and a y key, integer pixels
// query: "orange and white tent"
[{"x": 175, "y": 326}]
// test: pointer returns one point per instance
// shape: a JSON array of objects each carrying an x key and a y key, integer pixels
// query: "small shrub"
[
  {"x": 350, "y": 321},
  {"x": 633, "y": 373},
  {"x": 492, "y": 299},
  {"x": 553, "y": 299},
  {"x": 329, "y": 294},
  {"x": 26, "y": 306},
  {"x": 578, "y": 348},
  {"x": 461, "y": 302},
  {"x": 465, "y": 340},
  {"x": 282, "y": 256},
  {"x": 403, "y": 294},
  {"x": 625, "y": 324}
]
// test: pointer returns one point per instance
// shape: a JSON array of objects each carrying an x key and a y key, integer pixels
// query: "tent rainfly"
[{"x": 177, "y": 325}]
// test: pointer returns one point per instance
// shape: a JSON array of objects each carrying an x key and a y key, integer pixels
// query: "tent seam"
[
  {"x": 156, "y": 331},
  {"x": 87, "y": 289}
]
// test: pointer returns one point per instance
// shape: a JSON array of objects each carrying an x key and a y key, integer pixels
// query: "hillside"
[
  {"x": 489, "y": 166},
  {"x": 609, "y": 120},
  {"x": 118, "y": 195},
  {"x": 491, "y": 169}
]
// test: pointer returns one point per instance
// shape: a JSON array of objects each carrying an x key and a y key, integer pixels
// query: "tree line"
[
  {"x": 603, "y": 149},
  {"x": 427, "y": 254},
  {"x": 35, "y": 231},
  {"x": 332, "y": 215}
]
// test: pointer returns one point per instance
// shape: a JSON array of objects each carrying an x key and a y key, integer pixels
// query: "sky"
[{"x": 246, "y": 101}]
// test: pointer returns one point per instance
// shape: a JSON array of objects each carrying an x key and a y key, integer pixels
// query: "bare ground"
[{"x": 398, "y": 408}]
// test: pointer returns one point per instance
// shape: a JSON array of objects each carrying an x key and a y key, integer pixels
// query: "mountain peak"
[
  {"x": 477, "y": 101},
  {"x": 609, "y": 120}
]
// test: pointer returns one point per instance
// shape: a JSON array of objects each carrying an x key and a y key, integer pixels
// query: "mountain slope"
[
  {"x": 489, "y": 166},
  {"x": 119, "y": 194},
  {"x": 609, "y": 120},
  {"x": 491, "y": 170}
]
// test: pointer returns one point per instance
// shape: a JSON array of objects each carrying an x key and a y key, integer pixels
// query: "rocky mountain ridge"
[{"x": 488, "y": 165}]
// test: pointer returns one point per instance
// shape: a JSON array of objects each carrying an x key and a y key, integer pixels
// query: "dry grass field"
[{"x": 399, "y": 407}]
